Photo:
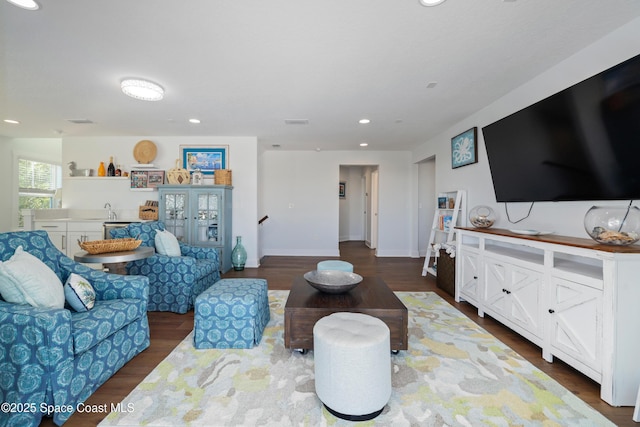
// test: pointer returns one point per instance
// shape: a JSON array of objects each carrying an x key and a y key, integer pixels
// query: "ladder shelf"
[{"x": 449, "y": 213}]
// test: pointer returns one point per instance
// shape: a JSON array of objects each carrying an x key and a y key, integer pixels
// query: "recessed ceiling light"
[
  {"x": 364, "y": 121},
  {"x": 364, "y": 144},
  {"x": 194, "y": 121},
  {"x": 11, "y": 121},
  {"x": 25, "y": 4},
  {"x": 296, "y": 121},
  {"x": 80, "y": 121},
  {"x": 431, "y": 85},
  {"x": 142, "y": 89},
  {"x": 431, "y": 2}
]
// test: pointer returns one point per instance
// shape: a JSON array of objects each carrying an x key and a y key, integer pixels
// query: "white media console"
[{"x": 576, "y": 299}]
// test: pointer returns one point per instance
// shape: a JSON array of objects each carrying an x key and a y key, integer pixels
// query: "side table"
[{"x": 115, "y": 262}]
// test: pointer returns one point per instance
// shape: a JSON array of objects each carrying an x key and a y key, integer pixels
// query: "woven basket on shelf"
[
  {"x": 148, "y": 212},
  {"x": 110, "y": 245},
  {"x": 222, "y": 177}
]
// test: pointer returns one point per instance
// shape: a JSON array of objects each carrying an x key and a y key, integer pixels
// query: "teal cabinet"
[{"x": 199, "y": 215}]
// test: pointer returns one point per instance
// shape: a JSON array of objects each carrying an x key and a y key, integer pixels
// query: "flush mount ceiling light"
[
  {"x": 142, "y": 89},
  {"x": 431, "y": 2},
  {"x": 364, "y": 121},
  {"x": 25, "y": 4},
  {"x": 194, "y": 121}
]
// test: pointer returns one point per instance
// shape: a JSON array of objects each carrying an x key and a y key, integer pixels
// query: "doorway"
[{"x": 358, "y": 209}]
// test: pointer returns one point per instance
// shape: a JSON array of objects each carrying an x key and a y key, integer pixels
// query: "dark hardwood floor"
[{"x": 401, "y": 274}]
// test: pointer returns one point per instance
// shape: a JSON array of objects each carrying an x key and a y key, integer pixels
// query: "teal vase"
[{"x": 238, "y": 255}]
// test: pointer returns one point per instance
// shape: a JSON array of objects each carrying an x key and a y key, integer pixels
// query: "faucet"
[{"x": 111, "y": 215}]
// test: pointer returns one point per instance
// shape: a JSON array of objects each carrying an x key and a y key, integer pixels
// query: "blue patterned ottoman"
[{"x": 232, "y": 313}]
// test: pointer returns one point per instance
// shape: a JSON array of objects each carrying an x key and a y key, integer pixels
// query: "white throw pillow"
[
  {"x": 79, "y": 293},
  {"x": 167, "y": 243},
  {"x": 24, "y": 279}
]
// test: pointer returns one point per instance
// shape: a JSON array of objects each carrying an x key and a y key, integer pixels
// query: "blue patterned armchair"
[
  {"x": 56, "y": 358},
  {"x": 174, "y": 282}
]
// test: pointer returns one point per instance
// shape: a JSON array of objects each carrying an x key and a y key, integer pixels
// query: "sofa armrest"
[
  {"x": 38, "y": 351},
  {"x": 108, "y": 286},
  {"x": 199, "y": 252}
]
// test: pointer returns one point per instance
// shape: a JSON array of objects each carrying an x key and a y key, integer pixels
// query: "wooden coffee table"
[{"x": 306, "y": 305}]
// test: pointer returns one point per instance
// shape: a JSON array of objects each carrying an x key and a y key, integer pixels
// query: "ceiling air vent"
[
  {"x": 296, "y": 122},
  {"x": 80, "y": 121}
]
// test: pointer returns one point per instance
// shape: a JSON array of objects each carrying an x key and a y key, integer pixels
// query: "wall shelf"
[{"x": 112, "y": 178}]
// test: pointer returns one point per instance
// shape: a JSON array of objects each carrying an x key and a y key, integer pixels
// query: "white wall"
[
  {"x": 93, "y": 194},
  {"x": 426, "y": 203},
  {"x": 564, "y": 218},
  {"x": 300, "y": 197}
]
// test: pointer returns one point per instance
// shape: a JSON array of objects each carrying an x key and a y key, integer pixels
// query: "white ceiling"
[{"x": 243, "y": 67}]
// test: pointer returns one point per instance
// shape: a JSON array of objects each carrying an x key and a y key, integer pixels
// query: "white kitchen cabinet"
[
  {"x": 82, "y": 231},
  {"x": 57, "y": 231},
  {"x": 573, "y": 297},
  {"x": 65, "y": 234}
]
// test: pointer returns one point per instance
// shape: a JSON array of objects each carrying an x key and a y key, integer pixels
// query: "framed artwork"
[
  {"x": 207, "y": 158},
  {"x": 155, "y": 178},
  {"x": 146, "y": 179},
  {"x": 464, "y": 148},
  {"x": 342, "y": 190},
  {"x": 139, "y": 179}
]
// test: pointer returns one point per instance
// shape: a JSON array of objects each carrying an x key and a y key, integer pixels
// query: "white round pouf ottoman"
[{"x": 352, "y": 356}]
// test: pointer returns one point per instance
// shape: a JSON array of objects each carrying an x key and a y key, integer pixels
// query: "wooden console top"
[{"x": 557, "y": 239}]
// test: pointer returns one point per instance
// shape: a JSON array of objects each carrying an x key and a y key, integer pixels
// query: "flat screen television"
[{"x": 582, "y": 143}]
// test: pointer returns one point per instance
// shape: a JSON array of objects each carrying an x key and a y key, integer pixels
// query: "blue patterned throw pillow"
[{"x": 79, "y": 293}]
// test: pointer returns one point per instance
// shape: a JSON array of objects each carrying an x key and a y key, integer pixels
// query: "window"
[{"x": 37, "y": 184}]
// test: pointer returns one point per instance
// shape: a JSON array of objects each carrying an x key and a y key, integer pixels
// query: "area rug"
[{"x": 454, "y": 374}]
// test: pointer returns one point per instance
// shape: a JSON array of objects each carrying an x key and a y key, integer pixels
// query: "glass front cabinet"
[{"x": 199, "y": 215}]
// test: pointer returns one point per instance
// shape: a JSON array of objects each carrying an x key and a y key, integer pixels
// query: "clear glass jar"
[
  {"x": 613, "y": 225},
  {"x": 482, "y": 217}
]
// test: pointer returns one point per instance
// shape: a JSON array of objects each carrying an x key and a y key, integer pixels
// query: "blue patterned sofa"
[
  {"x": 58, "y": 357},
  {"x": 174, "y": 282}
]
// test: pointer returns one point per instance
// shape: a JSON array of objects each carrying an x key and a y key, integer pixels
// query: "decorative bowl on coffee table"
[{"x": 332, "y": 281}]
